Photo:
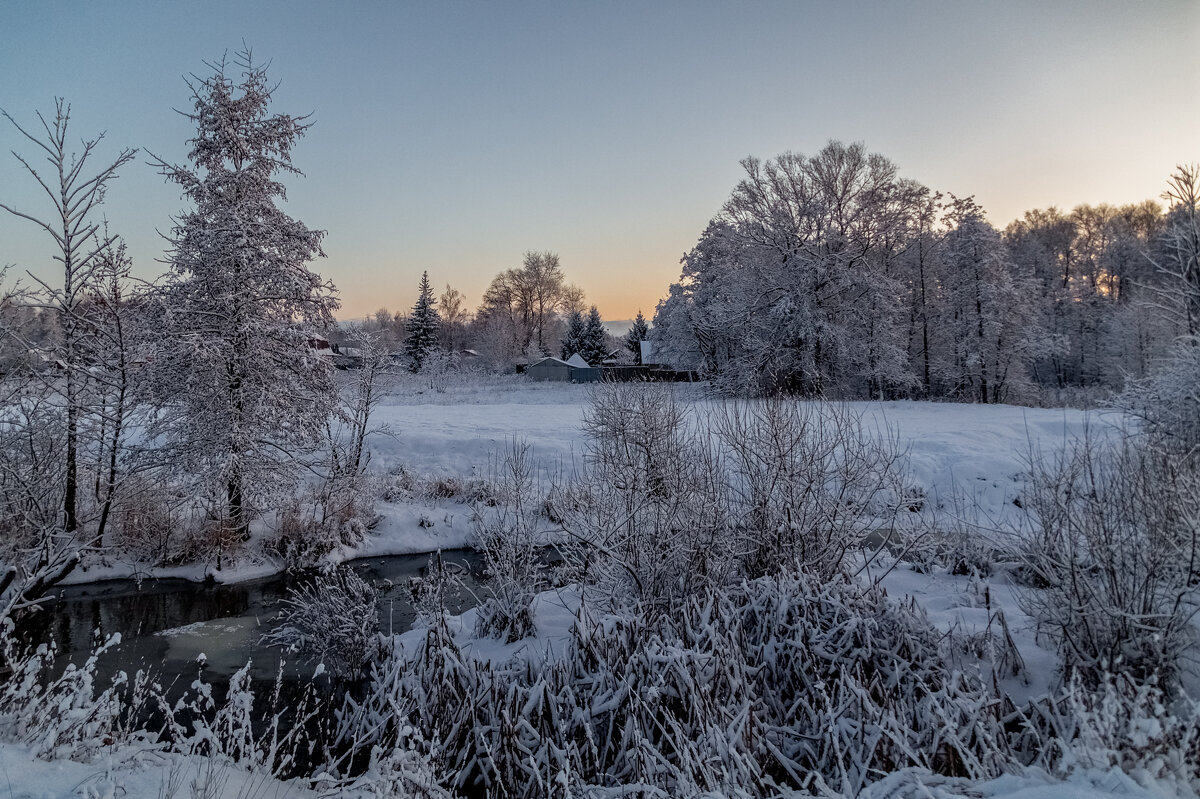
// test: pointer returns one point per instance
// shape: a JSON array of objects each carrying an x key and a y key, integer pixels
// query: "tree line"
[
  {"x": 833, "y": 275},
  {"x": 526, "y": 313}
]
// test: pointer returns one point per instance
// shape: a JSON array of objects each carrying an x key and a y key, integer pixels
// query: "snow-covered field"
[{"x": 968, "y": 461}]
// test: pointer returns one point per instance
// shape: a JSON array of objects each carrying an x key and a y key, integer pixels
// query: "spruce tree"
[
  {"x": 595, "y": 344},
  {"x": 574, "y": 340},
  {"x": 242, "y": 389},
  {"x": 422, "y": 336},
  {"x": 636, "y": 335}
]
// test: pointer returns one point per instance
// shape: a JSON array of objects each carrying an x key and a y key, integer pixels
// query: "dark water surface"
[{"x": 166, "y": 625}]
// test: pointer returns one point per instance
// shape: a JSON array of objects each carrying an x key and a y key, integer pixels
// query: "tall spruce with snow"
[
  {"x": 242, "y": 389},
  {"x": 636, "y": 335},
  {"x": 574, "y": 340},
  {"x": 422, "y": 336},
  {"x": 595, "y": 344}
]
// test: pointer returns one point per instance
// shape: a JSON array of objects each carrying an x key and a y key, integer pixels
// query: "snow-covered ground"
[
  {"x": 968, "y": 461},
  {"x": 135, "y": 774}
]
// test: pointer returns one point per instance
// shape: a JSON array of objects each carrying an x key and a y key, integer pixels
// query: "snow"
[
  {"x": 142, "y": 772},
  {"x": 135, "y": 772},
  {"x": 968, "y": 461},
  {"x": 578, "y": 361}
]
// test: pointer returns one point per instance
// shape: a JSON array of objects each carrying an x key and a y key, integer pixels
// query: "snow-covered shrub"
[
  {"x": 785, "y": 682},
  {"x": 646, "y": 515},
  {"x": 67, "y": 716},
  {"x": 810, "y": 482},
  {"x": 953, "y": 546},
  {"x": 148, "y": 522},
  {"x": 508, "y": 537},
  {"x": 308, "y": 527},
  {"x": 1168, "y": 402},
  {"x": 669, "y": 504},
  {"x": 1116, "y": 549},
  {"x": 402, "y": 483},
  {"x": 270, "y": 736},
  {"x": 297, "y": 539},
  {"x": 332, "y": 620},
  {"x": 210, "y": 541},
  {"x": 1136, "y": 728}
]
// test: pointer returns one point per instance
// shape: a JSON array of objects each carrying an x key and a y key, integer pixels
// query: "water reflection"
[{"x": 166, "y": 625}]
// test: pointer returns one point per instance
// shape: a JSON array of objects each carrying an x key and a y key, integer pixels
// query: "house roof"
[
  {"x": 578, "y": 362},
  {"x": 549, "y": 360}
]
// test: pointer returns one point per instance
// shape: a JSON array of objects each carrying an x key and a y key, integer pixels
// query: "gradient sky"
[{"x": 455, "y": 136}]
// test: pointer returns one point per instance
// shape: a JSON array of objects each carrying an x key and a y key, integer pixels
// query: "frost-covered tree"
[
  {"x": 985, "y": 325},
  {"x": 573, "y": 341},
  {"x": 241, "y": 387},
  {"x": 1180, "y": 262},
  {"x": 522, "y": 306},
  {"x": 422, "y": 337},
  {"x": 637, "y": 334},
  {"x": 595, "y": 342},
  {"x": 794, "y": 286},
  {"x": 452, "y": 310},
  {"x": 1169, "y": 400},
  {"x": 59, "y": 427}
]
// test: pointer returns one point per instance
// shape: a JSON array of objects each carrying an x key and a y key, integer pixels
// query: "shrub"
[
  {"x": 65, "y": 716},
  {"x": 509, "y": 540},
  {"x": 332, "y": 620},
  {"x": 782, "y": 682},
  {"x": 1116, "y": 546}
]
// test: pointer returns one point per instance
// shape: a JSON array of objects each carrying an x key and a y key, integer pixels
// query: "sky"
[{"x": 454, "y": 137}]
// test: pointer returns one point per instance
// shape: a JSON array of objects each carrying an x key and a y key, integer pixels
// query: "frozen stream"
[{"x": 165, "y": 625}]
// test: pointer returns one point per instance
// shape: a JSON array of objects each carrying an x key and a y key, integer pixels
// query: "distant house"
[{"x": 649, "y": 357}]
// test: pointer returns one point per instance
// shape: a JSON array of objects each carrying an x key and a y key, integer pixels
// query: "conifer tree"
[
  {"x": 595, "y": 345},
  {"x": 422, "y": 326},
  {"x": 242, "y": 390},
  {"x": 573, "y": 342},
  {"x": 636, "y": 335}
]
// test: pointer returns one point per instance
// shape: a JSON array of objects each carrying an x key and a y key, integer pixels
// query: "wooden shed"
[{"x": 549, "y": 369}]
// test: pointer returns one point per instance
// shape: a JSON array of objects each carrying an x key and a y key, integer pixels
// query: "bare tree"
[
  {"x": 1181, "y": 263},
  {"x": 525, "y": 302},
  {"x": 452, "y": 308},
  {"x": 76, "y": 196}
]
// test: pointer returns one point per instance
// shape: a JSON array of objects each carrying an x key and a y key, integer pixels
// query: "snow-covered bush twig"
[
  {"x": 332, "y": 620},
  {"x": 507, "y": 535},
  {"x": 1116, "y": 555},
  {"x": 782, "y": 682}
]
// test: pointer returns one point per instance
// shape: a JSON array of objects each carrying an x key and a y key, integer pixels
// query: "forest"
[{"x": 707, "y": 590}]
